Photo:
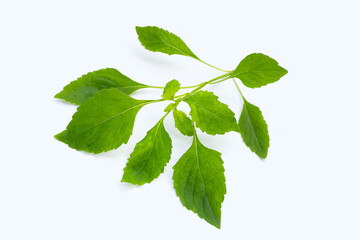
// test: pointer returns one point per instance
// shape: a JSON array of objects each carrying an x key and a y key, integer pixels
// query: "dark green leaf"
[
  {"x": 88, "y": 85},
  {"x": 254, "y": 129},
  {"x": 159, "y": 40},
  {"x": 170, "y": 89},
  {"x": 183, "y": 123},
  {"x": 257, "y": 70},
  {"x": 211, "y": 115},
  {"x": 102, "y": 123},
  {"x": 199, "y": 181},
  {"x": 149, "y": 157}
]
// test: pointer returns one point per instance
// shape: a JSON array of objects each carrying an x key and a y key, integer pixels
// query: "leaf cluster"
[{"x": 106, "y": 114}]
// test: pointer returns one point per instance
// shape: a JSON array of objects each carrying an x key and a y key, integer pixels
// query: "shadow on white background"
[{"x": 307, "y": 188}]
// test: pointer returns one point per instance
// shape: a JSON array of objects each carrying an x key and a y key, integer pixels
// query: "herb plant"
[{"x": 106, "y": 115}]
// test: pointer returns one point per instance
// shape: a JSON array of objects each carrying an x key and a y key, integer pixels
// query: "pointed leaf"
[
  {"x": 209, "y": 114},
  {"x": 199, "y": 181},
  {"x": 159, "y": 40},
  {"x": 254, "y": 129},
  {"x": 183, "y": 123},
  {"x": 257, "y": 70},
  {"x": 102, "y": 123},
  {"x": 170, "y": 89},
  {"x": 149, "y": 157},
  {"x": 88, "y": 85}
]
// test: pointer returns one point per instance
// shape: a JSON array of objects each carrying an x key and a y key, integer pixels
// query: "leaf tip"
[
  {"x": 218, "y": 226},
  {"x": 123, "y": 179},
  {"x": 130, "y": 180},
  {"x": 61, "y": 136},
  {"x": 263, "y": 154},
  {"x": 58, "y": 95},
  {"x": 215, "y": 221},
  {"x": 137, "y": 28},
  {"x": 285, "y": 71}
]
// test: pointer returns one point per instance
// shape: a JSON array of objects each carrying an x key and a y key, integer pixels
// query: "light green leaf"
[
  {"x": 254, "y": 129},
  {"x": 211, "y": 115},
  {"x": 149, "y": 157},
  {"x": 257, "y": 70},
  {"x": 170, "y": 89},
  {"x": 102, "y": 123},
  {"x": 159, "y": 40},
  {"x": 183, "y": 123},
  {"x": 199, "y": 181},
  {"x": 88, "y": 85},
  {"x": 170, "y": 107}
]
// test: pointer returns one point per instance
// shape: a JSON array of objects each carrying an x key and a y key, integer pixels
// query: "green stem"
[
  {"x": 194, "y": 128},
  {"x": 212, "y": 66},
  {"x": 154, "y": 87},
  {"x": 219, "y": 81},
  {"x": 180, "y": 95},
  {"x": 210, "y": 82},
  {"x": 197, "y": 87},
  {"x": 225, "y": 76},
  {"x": 155, "y": 101},
  {"x": 203, "y": 84},
  {"x": 194, "y": 86},
  {"x": 237, "y": 86},
  {"x": 165, "y": 115}
]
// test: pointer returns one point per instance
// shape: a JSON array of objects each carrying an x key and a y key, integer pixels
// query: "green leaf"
[
  {"x": 88, "y": 85},
  {"x": 257, "y": 70},
  {"x": 149, "y": 157},
  {"x": 211, "y": 115},
  {"x": 183, "y": 123},
  {"x": 199, "y": 181},
  {"x": 159, "y": 40},
  {"x": 254, "y": 129},
  {"x": 170, "y": 107},
  {"x": 102, "y": 123},
  {"x": 170, "y": 89}
]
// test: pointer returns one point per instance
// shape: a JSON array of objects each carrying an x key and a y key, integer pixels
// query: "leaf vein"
[{"x": 116, "y": 115}]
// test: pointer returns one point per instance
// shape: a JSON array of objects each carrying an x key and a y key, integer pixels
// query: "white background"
[{"x": 307, "y": 188}]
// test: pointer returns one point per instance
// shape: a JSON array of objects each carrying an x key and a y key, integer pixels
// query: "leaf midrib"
[
  {"x": 202, "y": 179},
  {"x": 252, "y": 127},
  {"x": 256, "y": 71},
  {"x": 152, "y": 147},
  {"x": 172, "y": 46},
  {"x": 208, "y": 111},
  {"x": 98, "y": 90},
  {"x": 108, "y": 119}
]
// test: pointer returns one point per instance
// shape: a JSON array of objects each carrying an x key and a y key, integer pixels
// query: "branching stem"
[{"x": 199, "y": 86}]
